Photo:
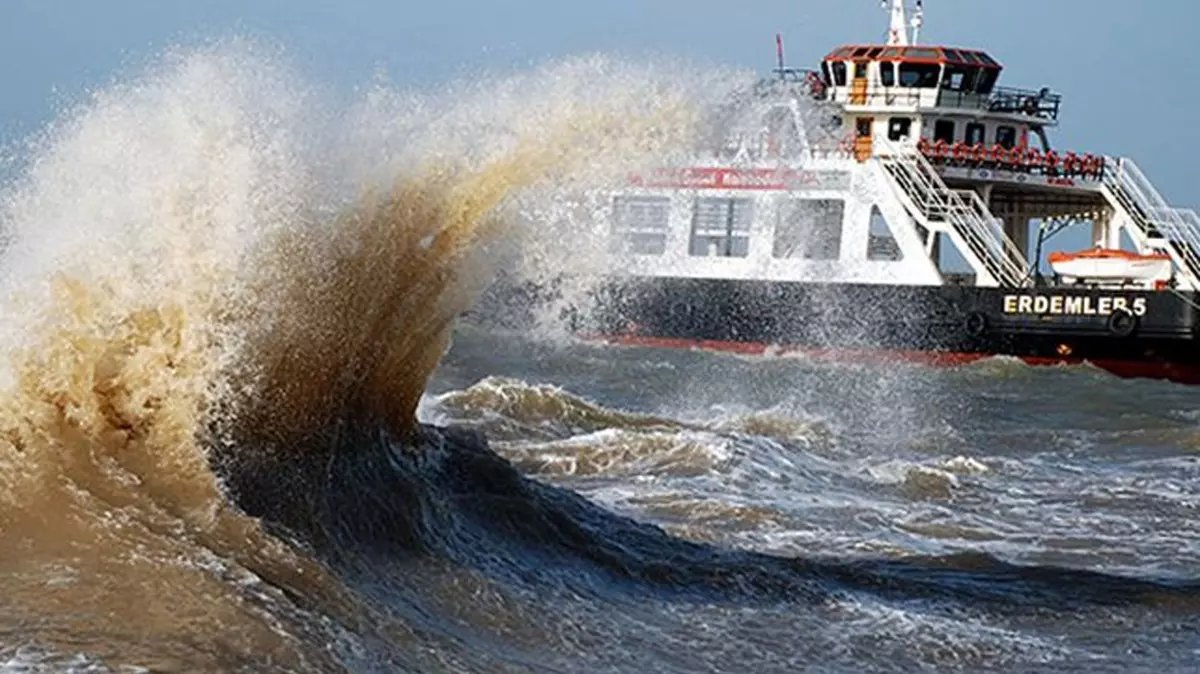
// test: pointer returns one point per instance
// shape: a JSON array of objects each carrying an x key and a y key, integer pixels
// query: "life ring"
[
  {"x": 1088, "y": 165},
  {"x": 1050, "y": 161},
  {"x": 975, "y": 324},
  {"x": 960, "y": 151},
  {"x": 1122, "y": 323}
]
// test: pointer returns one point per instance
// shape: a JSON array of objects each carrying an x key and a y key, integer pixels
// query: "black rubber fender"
[
  {"x": 1122, "y": 323},
  {"x": 976, "y": 324}
]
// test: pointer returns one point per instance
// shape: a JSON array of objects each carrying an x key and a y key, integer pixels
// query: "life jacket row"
[{"x": 1017, "y": 158}]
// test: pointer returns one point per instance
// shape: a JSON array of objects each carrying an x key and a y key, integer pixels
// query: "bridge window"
[
  {"x": 640, "y": 225},
  {"x": 721, "y": 227},
  {"x": 959, "y": 78},
  {"x": 839, "y": 73},
  {"x": 923, "y": 75},
  {"x": 943, "y": 130},
  {"x": 1006, "y": 137},
  {"x": 898, "y": 127},
  {"x": 887, "y": 74},
  {"x": 987, "y": 80},
  {"x": 809, "y": 229},
  {"x": 975, "y": 134},
  {"x": 860, "y": 69}
]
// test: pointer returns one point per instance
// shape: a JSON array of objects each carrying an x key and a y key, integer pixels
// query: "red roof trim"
[{"x": 973, "y": 58}]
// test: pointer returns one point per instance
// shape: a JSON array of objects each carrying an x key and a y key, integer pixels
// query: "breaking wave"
[{"x": 223, "y": 296}]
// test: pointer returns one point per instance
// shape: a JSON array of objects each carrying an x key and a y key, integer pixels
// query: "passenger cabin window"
[
  {"x": 639, "y": 225},
  {"x": 887, "y": 74},
  {"x": 923, "y": 75},
  {"x": 881, "y": 241},
  {"x": 975, "y": 134},
  {"x": 809, "y": 229},
  {"x": 898, "y": 127},
  {"x": 943, "y": 130},
  {"x": 721, "y": 227},
  {"x": 1006, "y": 137},
  {"x": 839, "y": 73}
]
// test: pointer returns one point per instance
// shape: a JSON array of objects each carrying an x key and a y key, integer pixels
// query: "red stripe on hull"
[{"x": 1178, "y": 372}]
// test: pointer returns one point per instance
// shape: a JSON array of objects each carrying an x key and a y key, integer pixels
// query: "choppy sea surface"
[{"x": 233, "y": 438}]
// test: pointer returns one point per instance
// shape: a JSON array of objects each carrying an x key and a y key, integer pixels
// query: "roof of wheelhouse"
[{"x": 914, "y": 54}]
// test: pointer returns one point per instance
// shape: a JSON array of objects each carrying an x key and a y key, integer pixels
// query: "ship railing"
[
  {"x": 964, "y": 211},
  {"x": 803, "y": 82},
  {"x": 1043, "y": 103},
  {"x": 1036, "y": 104},
  {"x": 1028, "y": 160},
  {"x": 1158, "y": 219}
]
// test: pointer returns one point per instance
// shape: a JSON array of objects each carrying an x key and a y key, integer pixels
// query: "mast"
[{"x": 898, "y": 30}]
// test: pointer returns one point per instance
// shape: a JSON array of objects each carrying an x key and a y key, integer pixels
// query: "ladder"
[
  {"x": 1174, "y": 230},
  {"x": 960, "y": 213}
]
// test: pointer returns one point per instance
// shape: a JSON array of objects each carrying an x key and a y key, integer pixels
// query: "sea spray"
[{"x": 213, "y": 255}]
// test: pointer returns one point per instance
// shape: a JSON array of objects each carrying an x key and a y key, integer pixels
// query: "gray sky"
[{"x": 1126, "y": 68}]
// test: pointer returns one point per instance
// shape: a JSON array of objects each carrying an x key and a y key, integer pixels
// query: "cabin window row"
[
  {"x": 944, "y": 130},
  {"x": 975, "y": 134},
  {"x": 808, "y": 229},
  {"x": 917, "y": 75}
]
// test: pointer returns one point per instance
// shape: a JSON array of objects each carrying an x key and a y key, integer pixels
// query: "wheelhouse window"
[
  {"x": 943, "y": 130},
  {"x": 898, "y": 127},
  {"x": 839, "y": 73},
  {"x": 922, "y": 75},
  {"x": 721, "y": 227},
  {"x": 987, "y": 80},
  {"x": 975, "y": 134},
  {"x": 960, "y": 78},
  {"x": 860, "y": 69},
  {"x": 809, "y": 229},
  {"x": 887, "y": 74},
  {"x": 1006, "y": 137},
  {"x": 639, "y": 225}
]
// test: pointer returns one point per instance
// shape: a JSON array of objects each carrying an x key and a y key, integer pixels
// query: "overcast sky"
[{"x": 1126, "y": 68}]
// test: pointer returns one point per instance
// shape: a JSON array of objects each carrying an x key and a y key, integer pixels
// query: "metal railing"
[
  {"x": 1044, "y": 104},
  {"x": 1136, "y": 195},
  {"x": 964, "y": 211},
  {"x": 1040, "y": 104},
  {"x": 1032, "y": 161}
]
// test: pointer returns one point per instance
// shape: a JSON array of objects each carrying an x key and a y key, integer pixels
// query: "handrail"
[
  {"x": 1003, "y": 100},
  {"x": 1049, "y": 163},
  {"x": 968, "y": 216},
  {"x": 1138, "y": 196}
]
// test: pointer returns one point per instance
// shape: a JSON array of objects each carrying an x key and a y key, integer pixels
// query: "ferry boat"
[{"x": 826, "y": 220}]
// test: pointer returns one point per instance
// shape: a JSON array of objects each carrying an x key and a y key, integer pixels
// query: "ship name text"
[{"x": 1072, "y": 305}]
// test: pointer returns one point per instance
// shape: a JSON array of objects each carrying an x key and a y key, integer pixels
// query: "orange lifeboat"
[{"x": 1111, "y": 264}]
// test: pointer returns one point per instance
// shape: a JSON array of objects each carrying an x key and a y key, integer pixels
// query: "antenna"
[
  {"x": 779, "y": 49},
  {"x": 918, "y": 20},
  {"x": 898, "y": 30}
]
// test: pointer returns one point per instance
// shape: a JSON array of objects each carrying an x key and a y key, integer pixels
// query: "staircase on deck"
[
  {"x": 961, "y": 214},
  {"x": 1173, "y": 230}
]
